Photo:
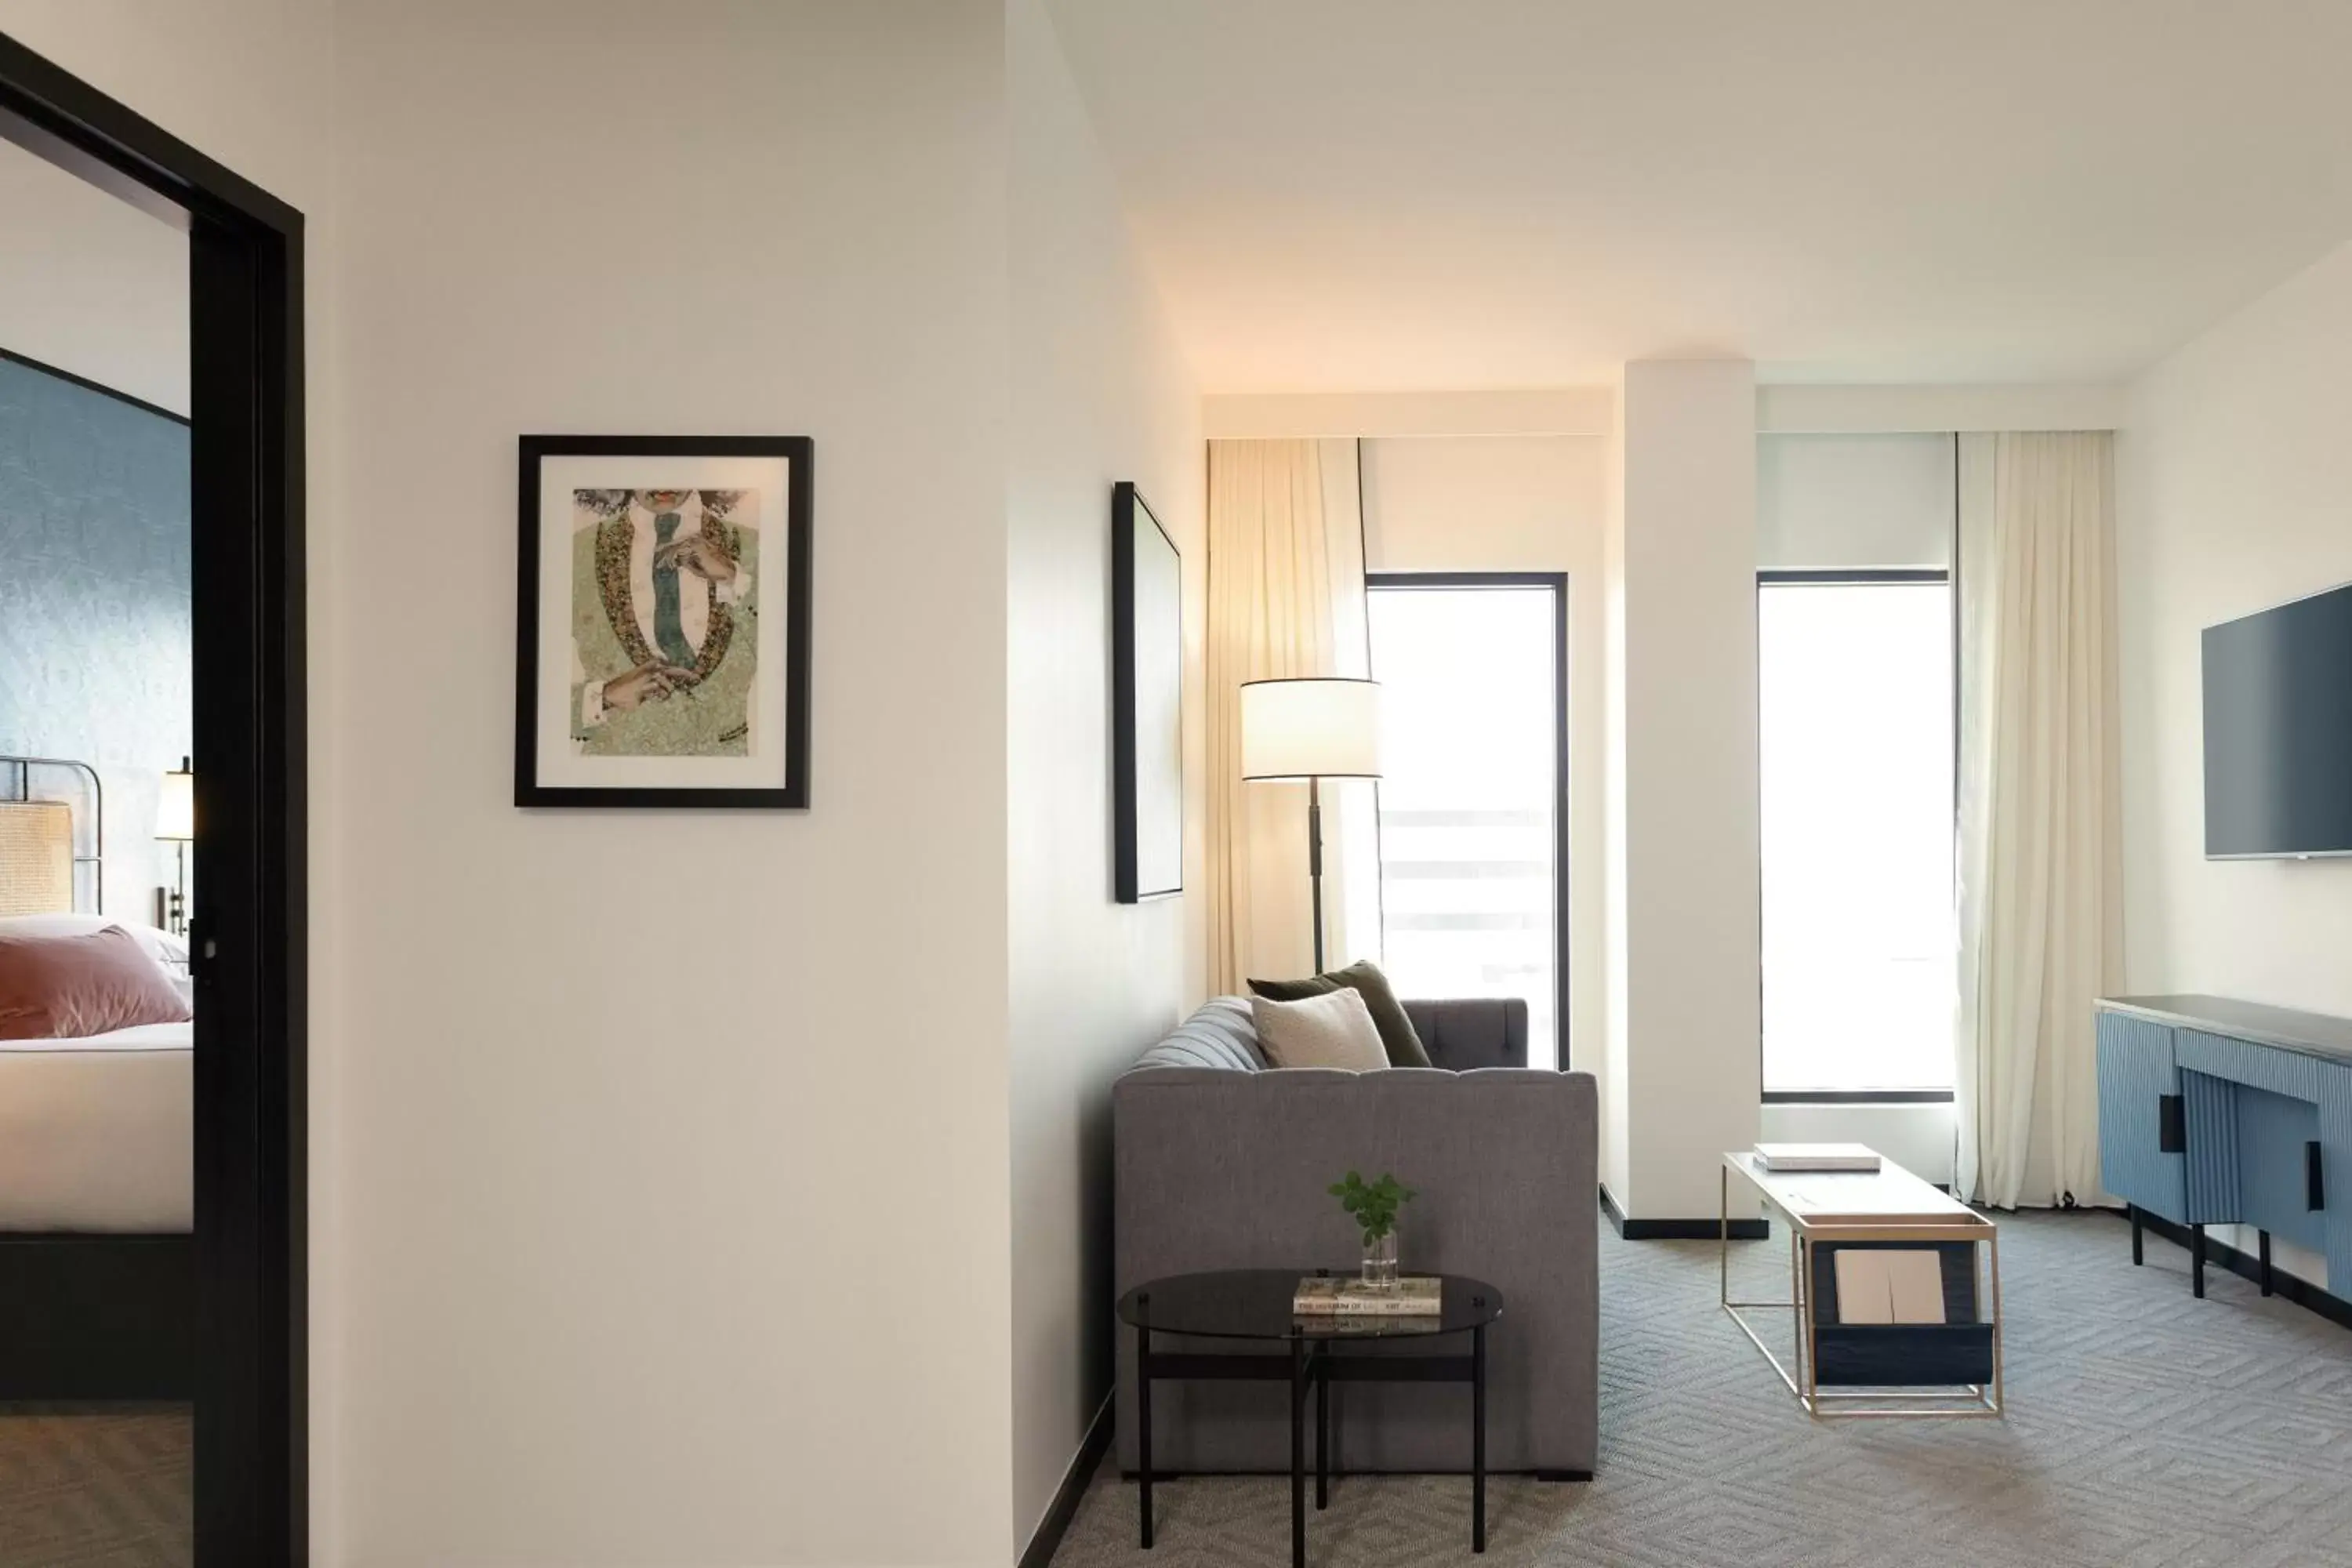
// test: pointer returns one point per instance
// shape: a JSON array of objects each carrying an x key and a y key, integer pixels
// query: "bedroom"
[{"x": 97, "y": 1205}]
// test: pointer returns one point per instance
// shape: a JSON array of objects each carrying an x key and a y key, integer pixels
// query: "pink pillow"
[{"x": 67, "y": 987}]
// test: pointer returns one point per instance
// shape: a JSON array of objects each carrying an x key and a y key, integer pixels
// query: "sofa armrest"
[{"x": 1472, "y": 1032}]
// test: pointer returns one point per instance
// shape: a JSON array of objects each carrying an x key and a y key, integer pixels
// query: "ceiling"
[{"x": 1395, "y": 194}]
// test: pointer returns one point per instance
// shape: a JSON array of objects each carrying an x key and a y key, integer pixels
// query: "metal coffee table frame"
[{"x": 1961, "y": 1401}]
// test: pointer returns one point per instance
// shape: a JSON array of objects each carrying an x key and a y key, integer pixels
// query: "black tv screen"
[{"x": 2278, "y": 730}]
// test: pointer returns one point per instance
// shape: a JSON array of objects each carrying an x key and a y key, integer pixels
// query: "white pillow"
[{"x": 1333, "y": 1030}]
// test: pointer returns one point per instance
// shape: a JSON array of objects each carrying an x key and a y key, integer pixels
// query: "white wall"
[
  {"x": 648, "y": 1115},
  {"x": 1099, "y": 393},
  {"x": 1683, "y": 943},
  {"x": 1895, "y": 408},
  {"x": 1519, "y": 503},
  {"x": 1274, "y": 416},
  {"x": 1855, "y": 501},
  {"x": 91, "y": 284},
  {"x": 2236, "y": 493}
]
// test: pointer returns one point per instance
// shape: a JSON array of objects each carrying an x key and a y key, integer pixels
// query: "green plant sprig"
[{"x": 1373, "y": 1205}]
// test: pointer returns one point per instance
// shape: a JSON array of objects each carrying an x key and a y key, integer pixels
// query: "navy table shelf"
[{"x": 2213, "y": 1111}]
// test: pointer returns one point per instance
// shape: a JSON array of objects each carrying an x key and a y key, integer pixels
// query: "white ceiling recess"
[{"x": 1390, "y": 195}]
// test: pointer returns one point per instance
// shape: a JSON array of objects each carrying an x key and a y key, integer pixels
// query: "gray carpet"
[
  {"x": 95, "y": 1487},
  {"x": 2144, "y": 1427}
]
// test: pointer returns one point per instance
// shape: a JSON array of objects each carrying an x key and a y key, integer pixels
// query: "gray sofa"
[{"x": 1222, "y": 1163}]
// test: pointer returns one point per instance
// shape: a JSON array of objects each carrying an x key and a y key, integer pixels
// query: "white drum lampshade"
[{"x": 1312, "y": 728}]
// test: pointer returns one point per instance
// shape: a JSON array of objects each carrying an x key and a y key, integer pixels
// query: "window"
[
  {"x": 1854, "y": 683},
  {"x": 1473, "y": 875}
]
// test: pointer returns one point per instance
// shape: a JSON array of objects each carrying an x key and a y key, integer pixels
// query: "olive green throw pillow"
[{"x": 1364, "y": 978}]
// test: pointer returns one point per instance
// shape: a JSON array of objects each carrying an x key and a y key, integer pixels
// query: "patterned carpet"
[
  {"x": 2144, "y": 1429},
  {"x": 94, "y": 1487}
]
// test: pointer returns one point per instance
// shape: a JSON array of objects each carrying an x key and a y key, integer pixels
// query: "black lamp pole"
[{"x": 1315, "y": 858}]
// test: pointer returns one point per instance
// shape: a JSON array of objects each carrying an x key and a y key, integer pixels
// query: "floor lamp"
[{"x": 1314, "y": 729}]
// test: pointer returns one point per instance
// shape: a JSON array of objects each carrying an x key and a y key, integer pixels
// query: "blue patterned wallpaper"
[{"x": 94, "y": 657}]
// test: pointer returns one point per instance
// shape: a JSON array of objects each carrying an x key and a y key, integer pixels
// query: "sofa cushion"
[
  {"x": 1363, "y": 977},
  {"x": 1328, "y": 1031},
  {"x": 1218, "y": 1035}
]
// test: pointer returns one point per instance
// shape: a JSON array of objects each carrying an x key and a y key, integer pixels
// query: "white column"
[{"x": 1680, "y": 1079}]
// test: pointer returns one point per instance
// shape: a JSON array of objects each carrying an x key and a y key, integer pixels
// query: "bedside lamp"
[
  {"x": 175, "y": 824},
  {"x": 1312, "y": 728}
]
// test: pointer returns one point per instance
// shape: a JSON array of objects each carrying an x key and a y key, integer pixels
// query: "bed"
[{"x": 97, "y": 1139}]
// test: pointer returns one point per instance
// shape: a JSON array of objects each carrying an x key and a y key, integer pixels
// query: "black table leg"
[
  {"x": 1298, "y": 1453},
  {"x": 2197, "y": 1260},
  {"x": 1479, "y": 1440},
  {"x": 1322, "y": 1427},
  {"x": 2135, "y": 1219},
  {"x": 2266, "y": 1261},
  {"x": 1143, "y": 1428}
]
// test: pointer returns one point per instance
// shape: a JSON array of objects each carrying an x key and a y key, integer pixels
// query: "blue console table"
[{"x": 2219, "y": 1112}]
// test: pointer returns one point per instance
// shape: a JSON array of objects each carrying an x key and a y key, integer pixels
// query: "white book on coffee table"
[{"x": 1817, "y": 1157}]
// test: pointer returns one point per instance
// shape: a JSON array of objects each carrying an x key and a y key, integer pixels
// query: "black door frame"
[
  {"x": 1563, "y": 976},
  {"x": 247, "y": 477}
]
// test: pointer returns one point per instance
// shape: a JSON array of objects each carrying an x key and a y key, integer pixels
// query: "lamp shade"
[
  {"x": 1315, "y": 728},
  {"x": 176, "y": 807}
]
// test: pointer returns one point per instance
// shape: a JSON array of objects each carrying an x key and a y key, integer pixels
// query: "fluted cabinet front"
[{"x": 2136, "y": 1075}]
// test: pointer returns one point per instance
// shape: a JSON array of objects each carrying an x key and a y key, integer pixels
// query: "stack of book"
[
  {"x": 1816, "y": 1157},
  {"x": 1412, "y": 1296}
]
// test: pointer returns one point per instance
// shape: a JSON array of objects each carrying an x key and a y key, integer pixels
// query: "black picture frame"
[
  {"x": 799, "y": 454},
  {"x": 1129, "y": 512}
]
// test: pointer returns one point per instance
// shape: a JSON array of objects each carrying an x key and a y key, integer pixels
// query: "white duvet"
[{"x": 99, "y": 1133}]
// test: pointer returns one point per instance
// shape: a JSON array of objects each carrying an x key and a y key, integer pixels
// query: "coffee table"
[
  {"x": 1253, "y": 1304},
  {"x": 1948, "y": 1369}
]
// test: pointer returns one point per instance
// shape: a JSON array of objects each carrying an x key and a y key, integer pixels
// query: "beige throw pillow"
[{"x": 1335, "y": 1030}]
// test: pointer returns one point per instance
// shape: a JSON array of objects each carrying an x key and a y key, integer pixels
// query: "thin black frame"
[
  {"x": 1562, "y": 904},
  {"x": 800, "y": 454},
  {"x": 1125, "y": 813},
  {"x": 1864, "y": 577},
  {"x": 248, "y": 943}
]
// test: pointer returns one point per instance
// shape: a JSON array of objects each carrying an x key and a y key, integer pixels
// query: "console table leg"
[
  {"x": 2197, "y": 1260},
  {"x": 2137, "y": 1259},
  {"x": 1143, "y": 1429},
  {"x": 1479, "y": 1440},
  {"x": 2266, "y": 1261}
]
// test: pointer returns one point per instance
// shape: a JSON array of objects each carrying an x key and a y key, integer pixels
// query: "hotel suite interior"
[{"x": 876, "y": 783}]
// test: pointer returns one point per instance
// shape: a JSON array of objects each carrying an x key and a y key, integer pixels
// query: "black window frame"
[{"x": 1557, "y": 582}]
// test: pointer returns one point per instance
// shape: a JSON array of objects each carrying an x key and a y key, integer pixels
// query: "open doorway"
[{"x": 191, "y": 1298}]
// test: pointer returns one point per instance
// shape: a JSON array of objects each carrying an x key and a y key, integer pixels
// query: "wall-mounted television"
[{"x": 2278, "y": 731}]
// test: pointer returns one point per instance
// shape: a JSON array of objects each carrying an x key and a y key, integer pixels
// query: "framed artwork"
[
  {"x": 1147, "y": 614},
  {"x": 662, "y": 652}
]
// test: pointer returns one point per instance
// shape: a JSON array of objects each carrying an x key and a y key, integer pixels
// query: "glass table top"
[{"x": 1254, "y": 1304}]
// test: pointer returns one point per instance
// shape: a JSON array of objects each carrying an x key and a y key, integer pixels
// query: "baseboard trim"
[
  {"x": 1065, "y": 1506},
  {"x": 2286, "y": 1287},
  {"x": 1678, "y": 1229}
]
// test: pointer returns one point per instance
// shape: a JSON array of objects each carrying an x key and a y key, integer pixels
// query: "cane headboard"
[{"x": 51, "y": 841}]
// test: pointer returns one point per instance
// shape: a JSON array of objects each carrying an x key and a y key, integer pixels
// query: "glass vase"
[{"x": 1381, "y": 1263}]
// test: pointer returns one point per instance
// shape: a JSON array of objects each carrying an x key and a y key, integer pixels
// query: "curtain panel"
[
  {"x": 1285, "y": 600},
  {"x": 2040, "y": 842}
]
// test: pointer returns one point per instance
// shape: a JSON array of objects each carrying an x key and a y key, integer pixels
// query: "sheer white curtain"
[
  {"x": 2041, "y": 855},
  {"x": 1285, "y": 599}
]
